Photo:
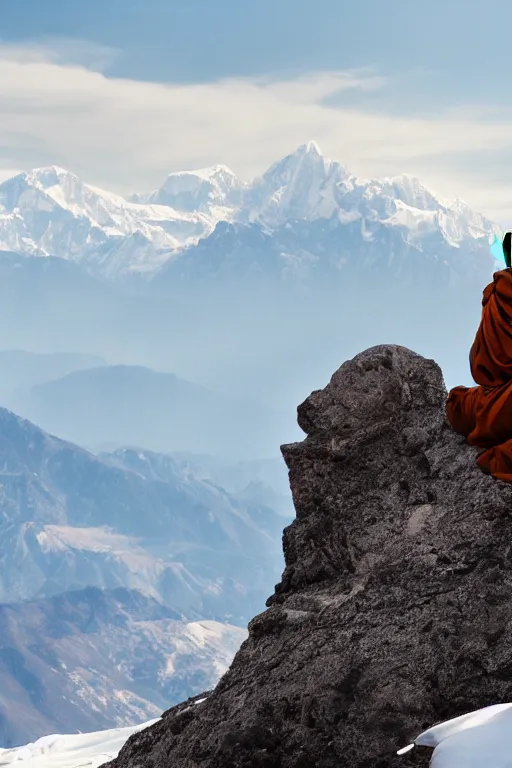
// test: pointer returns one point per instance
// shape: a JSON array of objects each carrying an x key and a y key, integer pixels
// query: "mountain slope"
[
  {"x": 264, "y": 482},
  {"x": 71, "y": 520},
  {"x": 95, "y": 659},
  {"x": 49, "y": 211},
  {"x": 257, "y": 499},
  {"x": 327, "y": 253}
]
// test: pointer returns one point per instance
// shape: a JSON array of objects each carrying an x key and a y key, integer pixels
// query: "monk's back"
[{"x": 491, "y": 354}]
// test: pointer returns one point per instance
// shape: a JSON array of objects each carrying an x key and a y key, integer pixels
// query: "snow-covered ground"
[
  {"x": 480, "y": 739},
  {"x": 87, "y": 750}
]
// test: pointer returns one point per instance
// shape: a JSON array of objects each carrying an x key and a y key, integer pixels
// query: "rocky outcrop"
[{"x": 394, "y": 609}]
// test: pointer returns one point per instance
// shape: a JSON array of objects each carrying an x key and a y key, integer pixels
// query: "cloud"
[
  {"x": 61, "y": 50},
  {"x": 58, "y": 105}
]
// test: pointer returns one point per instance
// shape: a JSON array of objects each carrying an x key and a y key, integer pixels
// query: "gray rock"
[{"x": 394, "y": 608}]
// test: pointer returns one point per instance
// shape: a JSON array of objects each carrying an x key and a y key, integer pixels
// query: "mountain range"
[
  {"x": 135, "y": 519},
  {"x": 256, "y": 298},
  {"x": 95, "y": 659},
  {"x": 312, "y": 208}
]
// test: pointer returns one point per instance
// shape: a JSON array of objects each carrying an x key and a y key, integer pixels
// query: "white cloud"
[
  {"x": 58, "y": 105},
  {"x": 61, "y": 50}
]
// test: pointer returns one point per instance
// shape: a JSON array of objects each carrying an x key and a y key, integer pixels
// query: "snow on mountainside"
[
  {"x": 82, "y": 750},
  {"x": 216, "y": 192},
  {"x": 306, "y": 185},
  {"x": 49, "y": 211}
]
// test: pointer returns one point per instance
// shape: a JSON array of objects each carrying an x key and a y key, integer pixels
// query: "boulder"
[{"x": 394, "y": 609}]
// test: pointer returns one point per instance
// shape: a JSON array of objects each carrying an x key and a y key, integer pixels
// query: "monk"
[{"x": 483, "y": 414}]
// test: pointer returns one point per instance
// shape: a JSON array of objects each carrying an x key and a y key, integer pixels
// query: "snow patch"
[
  {"x": 72, "y": 751},
  {"x": 480, "y": 739}
]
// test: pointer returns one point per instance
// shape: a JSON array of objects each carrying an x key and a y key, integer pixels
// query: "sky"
[{"x": 122, "y": 92}]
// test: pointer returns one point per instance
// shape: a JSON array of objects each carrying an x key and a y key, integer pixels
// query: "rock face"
[{"x": 394, "y": 608}]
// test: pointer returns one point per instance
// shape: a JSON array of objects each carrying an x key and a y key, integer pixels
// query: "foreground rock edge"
[{"x": 392, "y": 612}]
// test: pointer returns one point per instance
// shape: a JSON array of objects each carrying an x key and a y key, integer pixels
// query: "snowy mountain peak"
[
  {"x": 211, "y": 172},
  {"x": 307, "y": 157},
  {"x": 214, "y": 191},
  {"x": 310, "y": 148},
  {"x": 412, "y": 188},
  {"x": 44, "y": 177},
  {"x": 48, "y": 179},
  {"x": 300, "y": 186},
  {"x": 49, "y": 175},
  {"x": 49, "y": 186}
]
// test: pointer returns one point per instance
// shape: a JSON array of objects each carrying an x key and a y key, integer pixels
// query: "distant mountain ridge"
[
  {"x": 71, "y": 520},
  {"x": 20, "y": 370},
  {"x": 94, "y": 659},
  {"x": 123, "y": 405},
  {"x": 50, "y": 211}
]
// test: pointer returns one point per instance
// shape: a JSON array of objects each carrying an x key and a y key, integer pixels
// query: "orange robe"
[{"x": 483, "y": 414}]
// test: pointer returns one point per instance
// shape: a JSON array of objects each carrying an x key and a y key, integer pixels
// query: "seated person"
[{"x": 483, "y": 414}]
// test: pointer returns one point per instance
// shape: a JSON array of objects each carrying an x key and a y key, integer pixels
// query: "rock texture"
[{"x": 394, "y": 608}]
